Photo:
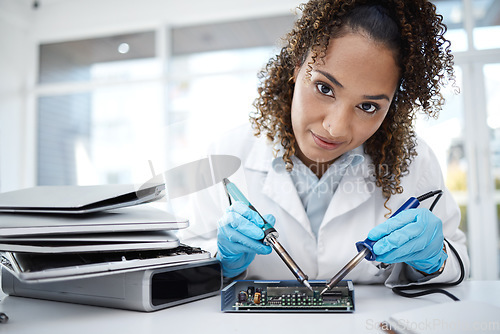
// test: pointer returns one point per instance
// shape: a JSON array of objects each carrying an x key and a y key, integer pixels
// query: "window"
[
  {"x": 213, "y": 79},
  {"x": 487, "y": 24},
  {"x": 100, "y": 112},
  {"x": 492, "y": 88},
  {"x": 465, "y": 137},
  {"x": 445, "y": 135},
  {"x": 453, "y": 17},
  {"x": 212, "y": 93},
  {"x": 121, "y": 57}
]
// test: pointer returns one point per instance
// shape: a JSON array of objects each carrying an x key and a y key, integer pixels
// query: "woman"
[{"x": 333, "y": 153}]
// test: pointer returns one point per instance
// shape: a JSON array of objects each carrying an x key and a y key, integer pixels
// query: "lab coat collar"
[
  {"x": 278, "y": 185},
  {"x": 355, "y": 188},
  {"x": 260, "y": 156}
]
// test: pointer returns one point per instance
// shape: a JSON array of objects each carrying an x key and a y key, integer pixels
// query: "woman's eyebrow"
[
  {"x": 331, "y": 78},
  {"x": 377, "y": 97}
]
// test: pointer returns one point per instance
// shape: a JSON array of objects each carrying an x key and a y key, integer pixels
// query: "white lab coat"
[{"x": 356, "y": 207}]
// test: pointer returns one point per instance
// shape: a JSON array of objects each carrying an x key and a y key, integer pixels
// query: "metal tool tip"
[
  {"x": 306, "y": 283},
  {"x": 322, "y": 292}
]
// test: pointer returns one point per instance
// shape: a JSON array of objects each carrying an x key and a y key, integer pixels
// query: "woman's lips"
[{"x": 325, "y": 143}]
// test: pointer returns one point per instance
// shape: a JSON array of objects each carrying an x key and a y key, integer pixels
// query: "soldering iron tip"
[
  {"x": 322, "y": 292},
  {"x": 306, "y": 283}
]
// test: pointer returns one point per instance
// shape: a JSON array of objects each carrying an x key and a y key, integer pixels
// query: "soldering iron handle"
[
  {"x": 411, "y": 203},
  {"x": 237, "y": 195},
  {"x": 367, "y": 244},
  {"x": 266, "y": 228},
  {"x": 235, "y": 192}
]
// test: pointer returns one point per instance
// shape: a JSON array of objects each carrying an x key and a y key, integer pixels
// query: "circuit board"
[{"x": 286, "y": 296}]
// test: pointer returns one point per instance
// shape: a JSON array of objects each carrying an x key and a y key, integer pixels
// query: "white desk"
[{"x": 373, "y": 305}]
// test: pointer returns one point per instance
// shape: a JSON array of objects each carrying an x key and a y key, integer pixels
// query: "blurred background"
[{"x": 91, "y": 91}]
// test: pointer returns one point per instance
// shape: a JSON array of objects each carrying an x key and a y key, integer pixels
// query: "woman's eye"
[
  {"x": 324, "y": 89},
  {"x": 368, "y": 107}
]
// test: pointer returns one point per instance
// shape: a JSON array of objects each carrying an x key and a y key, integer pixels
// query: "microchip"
[{"x": 332, "y": 296}]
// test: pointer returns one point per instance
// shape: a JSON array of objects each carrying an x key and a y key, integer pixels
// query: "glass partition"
[{"x": 487, "y": 24}]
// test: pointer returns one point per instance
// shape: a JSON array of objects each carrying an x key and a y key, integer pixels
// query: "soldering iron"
[
  {"x": 270, "y": 235},
  {"x": 365, "y": 247}
]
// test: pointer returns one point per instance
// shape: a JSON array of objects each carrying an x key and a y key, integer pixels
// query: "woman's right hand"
[{"x": 239, "y": 238}]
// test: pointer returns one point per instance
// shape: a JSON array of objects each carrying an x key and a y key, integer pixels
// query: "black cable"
[
  {"x": 425, "y": 292},
  {"x": 433, "y": 287},
  {"x": 435, "y": 201},
  {"x": 429, "y": 195}
]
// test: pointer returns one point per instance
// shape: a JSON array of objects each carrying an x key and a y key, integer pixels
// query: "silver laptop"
[
  {"x": 78, "y": 199},
  {"x": 136, "y": 218},
  {"x": 84, "y": 243}
]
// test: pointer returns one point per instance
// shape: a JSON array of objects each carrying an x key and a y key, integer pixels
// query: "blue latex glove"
[
  {"x": 238, "y": 238},
  {"x": 414, "y": 236}
]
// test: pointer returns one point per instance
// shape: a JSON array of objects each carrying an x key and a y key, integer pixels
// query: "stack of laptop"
[{"x": 56, "y": 234}]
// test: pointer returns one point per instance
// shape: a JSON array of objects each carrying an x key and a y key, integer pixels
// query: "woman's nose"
[{"x": 338, "y": 121}]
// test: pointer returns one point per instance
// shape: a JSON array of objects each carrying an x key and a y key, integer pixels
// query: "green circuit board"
[{"x": 260, "y": 297}]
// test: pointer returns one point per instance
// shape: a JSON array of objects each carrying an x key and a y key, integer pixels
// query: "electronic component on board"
[
  {"x": 286, "y": 296},
  {"x": 257, "y": 297}
]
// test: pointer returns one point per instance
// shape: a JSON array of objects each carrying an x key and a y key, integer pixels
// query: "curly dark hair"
[{"x": 410, "y": 28}]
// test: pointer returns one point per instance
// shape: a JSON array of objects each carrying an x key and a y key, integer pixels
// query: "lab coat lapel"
[
  {"x": 353, "y": 191},
  {"x": 279, "y": 187},
  {"x": 278, "y": 184}
]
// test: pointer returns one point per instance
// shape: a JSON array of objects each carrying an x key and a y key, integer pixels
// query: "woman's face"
[{"x": 345, "y": 101}]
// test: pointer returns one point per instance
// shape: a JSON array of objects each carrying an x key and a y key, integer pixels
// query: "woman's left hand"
[{"x": 413, "y": 236}]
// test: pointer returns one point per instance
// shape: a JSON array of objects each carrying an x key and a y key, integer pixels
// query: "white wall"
[
  {"x": 22, "y": 28},
  {"x": 63, "y": 19},
  {"x": 14, "y": 57}
]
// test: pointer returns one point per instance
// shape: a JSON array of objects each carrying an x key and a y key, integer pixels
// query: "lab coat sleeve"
[
  {"x": 207, "y": 206},
  {"x": 427, "y": 176}
]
